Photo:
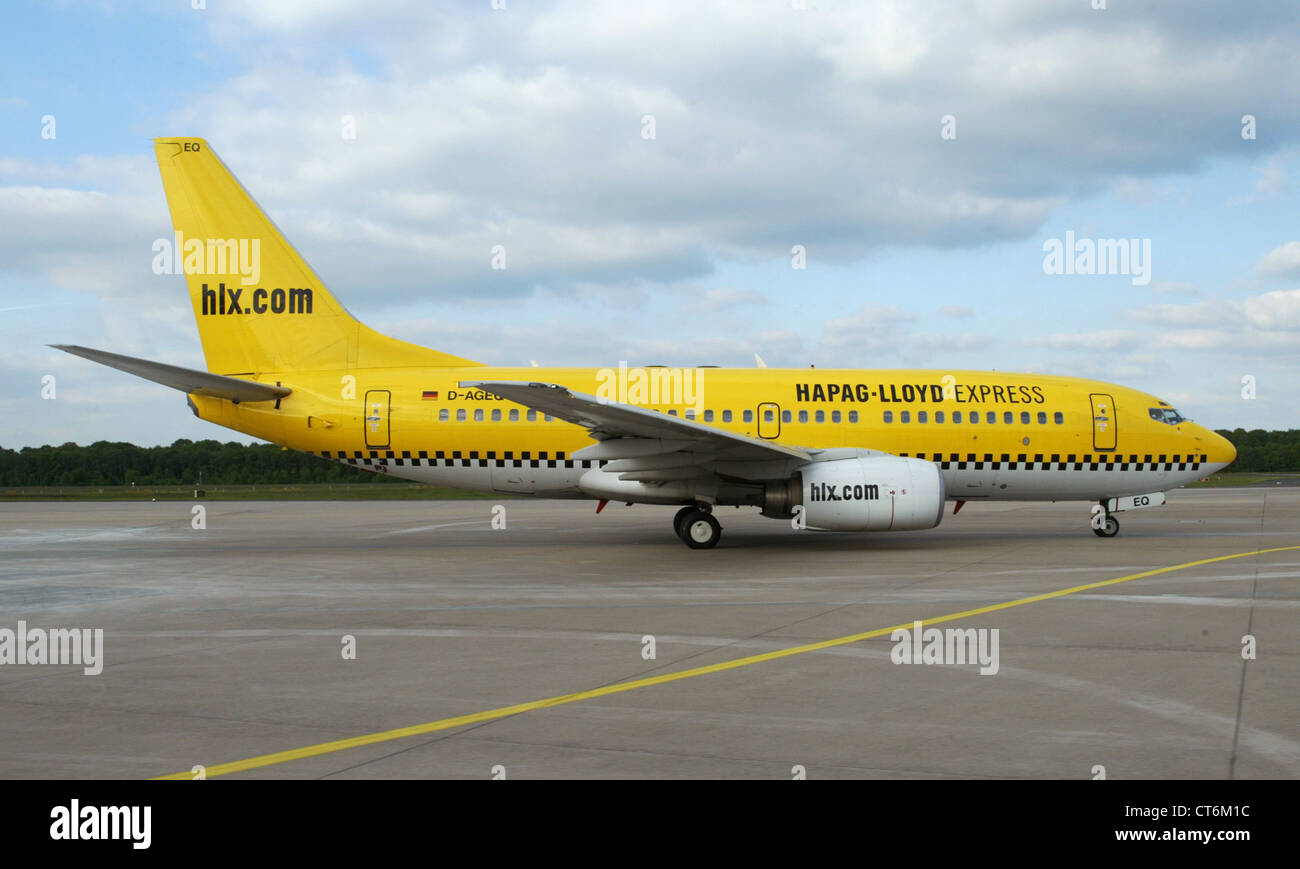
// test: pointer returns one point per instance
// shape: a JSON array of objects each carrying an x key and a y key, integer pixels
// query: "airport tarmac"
[{"x": 225, "y": 644}]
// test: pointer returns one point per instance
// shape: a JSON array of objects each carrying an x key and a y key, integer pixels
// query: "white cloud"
[
  {"x": 1207, "y": 313},
  {"x": 1144, "y": 192},
  {"x": 1281, "y": 262},
  {"x": 1274, "y": 178},
  {"x": 556, "y": 343},
  {"x": 1278, "y": 310},
  {"x": 1194, "y": 339},
  {"x": 873, "y": 327},
  {"x": 1174, "y": 288},
  {"x": 1098, "y": 341},
  {"x": 720, "y": 298},
  {"x": 1266, "y": 320},
  {"x": 963, "y": 343}
]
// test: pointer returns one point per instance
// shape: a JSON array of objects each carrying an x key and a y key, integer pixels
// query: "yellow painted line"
[{"x": 506, "y": 711}]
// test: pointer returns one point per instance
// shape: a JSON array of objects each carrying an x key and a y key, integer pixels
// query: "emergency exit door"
[
  {"x": 769, "y": 420},
  {"x": 1103, "y": 421},
  {"x": 376, "y": 421}
]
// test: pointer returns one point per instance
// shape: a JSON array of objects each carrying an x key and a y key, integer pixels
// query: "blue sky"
[{"x": 774, "y": 126}]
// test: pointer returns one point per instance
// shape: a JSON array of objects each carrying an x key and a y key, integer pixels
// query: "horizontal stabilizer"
[{"x": 187, "y": 380}]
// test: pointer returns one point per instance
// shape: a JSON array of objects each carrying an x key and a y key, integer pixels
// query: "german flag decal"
[{"x": 430, "y": 395}]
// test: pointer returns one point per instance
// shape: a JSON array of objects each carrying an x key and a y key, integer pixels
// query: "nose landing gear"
[{"x": 1107, "y": 527}]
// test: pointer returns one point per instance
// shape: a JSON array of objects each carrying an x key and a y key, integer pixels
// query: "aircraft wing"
[
  {"x": 187, "y": 380},
  {"x": 629, "y": 432}
]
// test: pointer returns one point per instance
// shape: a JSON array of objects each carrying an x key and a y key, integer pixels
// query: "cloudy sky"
[{"x": 649, "y": 169}]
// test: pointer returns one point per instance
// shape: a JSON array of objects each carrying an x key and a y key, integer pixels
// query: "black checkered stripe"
[
  {"x": 1056, "y": 462},
  {"x": 459, "y": 459}
]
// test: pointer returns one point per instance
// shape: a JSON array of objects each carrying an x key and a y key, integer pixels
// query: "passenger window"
[
  {"x": 689, "y": 413},
  {"x": 785, "y": 416},
  {"x": 803, "y": 416},
  {"x": 853, "y": 416},
  {"x": 1008, "y": 417},
  {"x": 478, "y": 415},
  {"x": 708, "y": 416},
  {"x": 672, "y": 411},
  {"x": 922, "y": 416},
  {"x": 975, "y": 416},
  {"x": 1042, "y": 417},
  {"x": 547, "y": 418},
  {"x": 726, "y": 416},
  {"x": 496, "y": 416},
  {"x": 938, "y": 416},
  {"x": 460, "y": 415},
  {"x": 1059, "y": 418},
  {"x": 991, "y": 417},
  {"x": 889, "y": 416},
  {"x": 532, "y": 416},
  {"x": 904, "y": 416},
  {"x": 769, "y": 416},
  {"x": 956, "y": 416},
  {"x": 835, "y": 416},
  {"x": 1024, "y": 417},
  {"x": 749, "y": 416},
  {"x": 821, "y": 416},
  {"x": 514, "y": 415},
  {"x": 443, "y": 415}
]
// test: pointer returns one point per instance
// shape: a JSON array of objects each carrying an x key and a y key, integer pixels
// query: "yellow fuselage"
[{"x": 994, "y": 435}]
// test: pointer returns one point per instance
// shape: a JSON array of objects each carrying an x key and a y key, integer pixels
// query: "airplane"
[{"x": 825, "y": 449}]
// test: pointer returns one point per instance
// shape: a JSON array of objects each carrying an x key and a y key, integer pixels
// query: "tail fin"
[{"x": 260, "y": 307}]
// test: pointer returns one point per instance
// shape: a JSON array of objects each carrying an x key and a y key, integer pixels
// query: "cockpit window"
[{"x": 1167, "y": 415}]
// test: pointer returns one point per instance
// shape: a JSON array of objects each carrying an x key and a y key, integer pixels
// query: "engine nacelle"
[{"x": 872, "y": 493}]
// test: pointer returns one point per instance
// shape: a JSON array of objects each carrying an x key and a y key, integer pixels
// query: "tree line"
[
  {"x": 185, "y": 462},
  {"x": 188, "y": 462},
  {"x": 1264, "y": 451}
]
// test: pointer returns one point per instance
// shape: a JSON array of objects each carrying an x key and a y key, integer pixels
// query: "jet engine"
[{"x": 864, "y": 493}]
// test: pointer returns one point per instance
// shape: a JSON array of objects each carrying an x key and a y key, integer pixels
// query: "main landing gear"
[
  {"x": 697, "y": 527},
  {"x": 1110, "y": 527}
]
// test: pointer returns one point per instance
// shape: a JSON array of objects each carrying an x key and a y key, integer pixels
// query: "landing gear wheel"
[
  {"x": 1110, "y": 529},
  {"x": 677, "y": 520},
  {"x": 698, "y": 530}
]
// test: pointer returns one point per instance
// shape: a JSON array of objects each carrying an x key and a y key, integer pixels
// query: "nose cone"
[{"x": 1218, "y": 449}]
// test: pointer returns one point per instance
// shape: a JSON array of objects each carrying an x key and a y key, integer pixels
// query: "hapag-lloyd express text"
[{"x": 907, "y": 393}]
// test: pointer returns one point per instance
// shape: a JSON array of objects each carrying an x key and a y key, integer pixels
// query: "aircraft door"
[
  {"x": 376, "y": 421},
  {"x": 1104, "y": 418},
  {"x": 769, "y": 420}
]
